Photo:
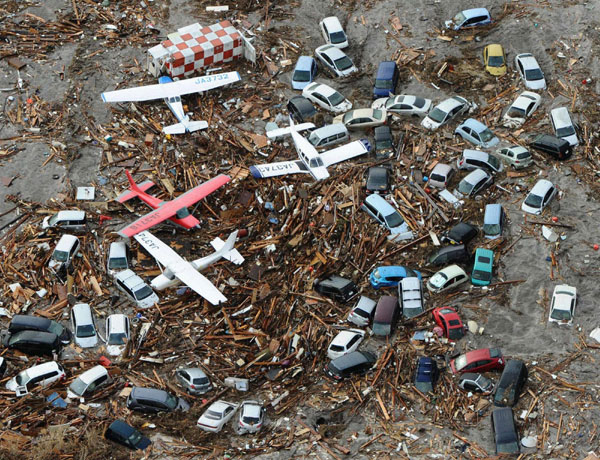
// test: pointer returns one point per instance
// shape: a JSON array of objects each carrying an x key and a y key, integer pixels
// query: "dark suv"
[
  {"x": 356, "y": 362},
  {"x": 384, "y": 142},
  {"x": 558, "y": 148},
  {"x": 301, "y": 109},
  {"x": 154, "y": 400},
  {"x": 461, "y": 233},
  {"x": 511, "y": 383},
  {"x": 450, "y": 254},
  {"x": 33, "y": 342},
  {"x": 336, "y": 287},
  {"x": 37, "y": 323},
  {"x": 426, "y": 375},
  {"x": 505, "y": 433}
]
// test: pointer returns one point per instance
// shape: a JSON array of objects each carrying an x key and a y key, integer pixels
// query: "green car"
[{"x": 482, "y": 268}]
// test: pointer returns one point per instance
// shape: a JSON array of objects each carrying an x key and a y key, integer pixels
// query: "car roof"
[
  {"x": 125, "y": 429},
  {"x": 220, "y": 405},
  {"x": 448, "y": 104},
  {"x": 476, "y": 175},
  {"x": 82, "y": 311},
  {"x": 495, "y": 49},
  {"x": 117, "y": 249},
  {"x": 474, "y": 124},
  {"x": 35, "y": 336},
  {"x": 492, "y": 213},
  {"x": 480, "y": 353},
  {"x": 304, "y": 63},
  {"x": 365, "y": 304},
  {"x": 476, "y": 154},
  {"x": 528, "y": 61},
  {"x": 452, "y": 270},
  {"x": 483, "y": 252},
  {"x": 475, "y": 12},
  {"x": 561, "y": 117},
  {"x": 353, "y": 358},
  {"x": 386, "y": 306},
  {"x": 469, "y": 376},
  {"x": 322, "y": 88},
  {"x": 302, "y": 103},
  {"x": 387, "y": 270},
  {"x": 117, "y": 322},
  {"x": 357, "y": 113},
  {"x": 151, "y": 393},
  {"x": 425, "y": 372},
  {"x": 541, "y": 187},
  {"x": 93, "y": 373},
  {"x": 29, "y": 321},
  {"x": 450, "y": 248},
  {"x": 336, "y": 280},
  {"x": 194, "y": 372},
  {"x": 563, "y": 301},
  {"x": 517, "y": 149},
  {"x": 251, "y": 408},
  {"x": 41, "y": 368},
  {"x": 328, "y": 130},
  {"x": 380, "y": 203},
  {"x": 410, "y": 283},
  {"x": 71, "y": 215},
  {"x": 525, "y": 98},
  {"x": 442, "y": 169},
  {"x": 343, "y": 337},
  {"x": 129, "y": 278},
  {"x": 66, "y": 242},
  {"x": 332, "y": 51},
  {"x": 331, "y": 22},
  {"x": 386, "y": 68}
]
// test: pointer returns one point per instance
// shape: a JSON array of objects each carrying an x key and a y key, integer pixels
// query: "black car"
[
  {"x": 33, "y": 342},
  {"x": 449, "y": 255},
  {"x": 301, "y": 109},
  {"x": 511, "y": 383},
  {"x": 384, "y": 142},
  {"x": 556, "y": 147},
  {"x": 336, "y": 287},
  {"x": 426, "y": 375},
  {"x": 378, "y": 180},
  {"x": 356, "y": 362},
  {"x": 154, "y": 400},
  {"x": 126, "y": 435},
  {"x": 505, "y": 433},
  {"x": 461, "y": 233},
  {"x": 37, "y": 323}
]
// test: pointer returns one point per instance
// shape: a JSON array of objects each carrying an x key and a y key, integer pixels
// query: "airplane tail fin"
[
  {"x": 196, "y": 125},
  {"x": 134, "y": 189},
  {"x": 225, "y": 249},
  {"x": 177, "y": 128},
  {"x": 182, "y": 128}
]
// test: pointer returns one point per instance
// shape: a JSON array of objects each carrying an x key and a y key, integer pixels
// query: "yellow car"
[{"x": 494, "y": 60}]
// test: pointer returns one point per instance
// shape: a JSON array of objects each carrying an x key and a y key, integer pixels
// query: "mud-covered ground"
[{"x": 562, "y": 391}]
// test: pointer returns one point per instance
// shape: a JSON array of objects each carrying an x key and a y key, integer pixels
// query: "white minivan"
[
  {"x": 42, "y": 374},
  {"x": 84, "y": 329},
  {"x": 563, "y": 125}
]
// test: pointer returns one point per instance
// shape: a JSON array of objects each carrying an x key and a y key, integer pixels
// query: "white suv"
[
  {"x": 42, "y": 374},
  {"x": 135, "y": 289},
  {"x": 563, "y": 126}
]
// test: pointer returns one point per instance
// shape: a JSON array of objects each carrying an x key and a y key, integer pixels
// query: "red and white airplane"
[{"x": 175, "y": 210}]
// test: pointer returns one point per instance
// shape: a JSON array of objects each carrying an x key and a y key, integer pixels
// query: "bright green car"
[{"x": 482, "y": 268}]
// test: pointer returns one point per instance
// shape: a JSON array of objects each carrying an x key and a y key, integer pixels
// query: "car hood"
[
  {"x": 12, "y": 385},
  {"x": 148, "y": 301},
  {"x": 530, "y": 210},
  {"x": 115, "y": 350},
  {"x": 379, "y": 103},
  {"x": 87, "y": 342},
  {"x": 143, "y": 443},
  {"x": 497, "y": 71},
  {"x": 536, "y": 84},
  {"x": 492, "y": 142},
  {"x": 428, "y": 123}
]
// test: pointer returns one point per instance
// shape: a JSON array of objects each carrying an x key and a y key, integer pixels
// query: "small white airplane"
[
  {"x": 310, "y": 162},
  {"x": 178, "y": 269},
  {"x": 172, "y": 91}
]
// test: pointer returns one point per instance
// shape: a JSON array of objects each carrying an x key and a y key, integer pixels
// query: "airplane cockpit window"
[
  {"x": 175, "y": 99},
  {"x": 315, "y": 163}
]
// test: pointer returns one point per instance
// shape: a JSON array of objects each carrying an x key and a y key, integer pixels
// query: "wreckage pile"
[{"x": 273, "y": 332}]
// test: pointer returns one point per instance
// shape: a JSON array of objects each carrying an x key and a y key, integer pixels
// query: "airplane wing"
[
  {"x": 345, "y": 152},
  {"x": 278, "y": 169},
  {"x": 180, "y": 267},
  {"x": 169, "y": 208},
  {"x": 275, "y": 133},
  {"x": 176, "y": 88}
]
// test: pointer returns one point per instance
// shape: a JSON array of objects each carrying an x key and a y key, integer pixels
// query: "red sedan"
[
  {"x": 447, "y": 318},
  {"x": 482, "y": 360}
]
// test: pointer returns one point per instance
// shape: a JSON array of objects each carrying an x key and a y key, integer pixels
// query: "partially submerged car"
[
  {"x": 448, "y": 319},
  {"x": 88, "y": 382},
  {"x": 333, "y": 32},
  {"x": 386, "y": 79},
  {"x": 516, "y": 156},
  {"x": 66, "y": 249},
  {"x": 44, "y": 374},
  {"x": 445, "y": 111},
  {"x": 461, "y": 233},
  {"x": 336, "y": 287},
  {"x": 511, "y": 383},
  {"x": 335, "y": 60},
  {"x": 482, "y": 267},
  {"x": 326, "y": 97},
  {"x": 404, "y": 104},
  {"x": 447, "y": 278},
  {"x": 521, "y": 109},
  {"x": 562, "y": 308},
  {"x": 450, "y": 254},
  {"x": 494, "y": 60},
  {"x": 473, "y": 159},
  {"x": 481, "y": 360},
  {"x": 194, "y": 380},
  {"x": 135, "y": 289},
  {"x": 126, "y": 435},
  {"x": 473, "y": 183},
  {"x": 441, "y": 175},
  {"x": 384, "y": 142},
  {"x": 117, "y": 258},
  {"x": 426, "y": 374},
  {"x": 469, "y": 18},
  {"x": 557, "y": 148},
  {"x": 84, "y": 327},
  {"x": 154, "y": 400},
  {"x": 301, "y": 110},
  {"x": 216, "y": 416},
  {"x": 390, "y": 275},
  {"x": 37, "y": 323},
  {"x": 538, "y": 198},
  {"x": 476, "y": 383},
  {"x": 33, "y": 342},
  {"x": 411, "y": 296},
  {"x": 251, "y": 418},
  {"x": 117, "y": 333},
  {"x": 355, "y": 363},
  {"x": 304, "y": 72},
  {"x": 66, "y": 220},
  {"x": 563, "y": 125},
  {"x": 385, "y": 214},
  {"x": 345, "y": 342},
  {"x": 493, "y": 221},
  {"x": 505, "y": 432},
  {"x": 530, "y": 71},
  {"x": 477, "y": 133},
  {"x": 386, "y": 316},
  {"x": 362, "y": 118}
]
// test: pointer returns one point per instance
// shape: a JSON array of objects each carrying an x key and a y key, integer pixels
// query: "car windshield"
[
  {"x": 343, "y": 63},
  {"x": 437, "y": 115},
  {"x": 496, "y": 61},
  {"x": 56, "y": 328},
  {"x": 213, "y": 415},
  {"x": 533, "y": 200},
  {"x": 458, "y": 19},
  {"x": 486, "y": 135},
  {"x": 394, "y": 220},
  {"x": 337, "y": 37},
  {"x": 22, "y": 378},
  {"x": 534, "y": 74},
  {"x": 491, "y": 229},
  {"x": 361, "y": 313},
  {"x": 117, "y": 339},
  {"x": 86, "y": 331},
  {"x": 560, "y": 315},
  {"x": 142, "y": 293},
  {"x": 60, "y": 256},
  {"x": 78, "y": 386},
  {"x": 384, "y": 144},
  {"x": 383, "y": 84},
  {"x": 438, "y": 280},
  {"x": 465, "y": 187},
  {"x": 117, "y": 262},
  {"x": 566, "y": 131},
  {"x": 460, "y": 362},
  {"x": 481, "y": 275},
  {"x": 301, "y": 75},
  {"x": 438, "y": 178},
  {"x": 135, "y": 437},
  {"x": 171, "y": 401},
  {"x": 455, "y": 334},
  {"x": 390, "y": 102},
  {"x": 515, "y": 112},
  {"x": 336, "y": 98},
  {"x": 410, "y": 273},
  {"x": 419, "y": 102},
  {"x": 336, "y": 348}
]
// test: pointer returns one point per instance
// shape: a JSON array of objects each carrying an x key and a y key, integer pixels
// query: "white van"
[
  {"x": 84, "y": 329},
  {"x": 329, "y": 135},
  {"x": 117, "y": 258},
  {"x": 68, "y": 220},
  {"x": 66, "y": 248},
  {"x": 563, "y": 126},
  {"x": 42, "y": 374}
]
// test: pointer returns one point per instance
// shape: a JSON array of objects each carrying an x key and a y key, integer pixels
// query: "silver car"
[
  {"x": 335, "y": 60},
  {"x": 252, "y": 417},
  {"x": 194, "y": 380}
]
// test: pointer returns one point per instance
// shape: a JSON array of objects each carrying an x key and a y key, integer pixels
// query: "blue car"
[
  {"x": 390, "y": 275},
  {"x": 470, "y": 18},
  {"x": 304, "y": 72},
  {"x": 483, "y": 267},
  {"x": 477, "y": 133}
]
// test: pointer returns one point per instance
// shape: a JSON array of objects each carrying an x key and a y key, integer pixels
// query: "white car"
[
  {"x": 445, "y": 111},
  {"x": 88, "y": 382},
  {"x": 515, "y": 156},
  {"x": 530, "y": 71},
  {"x": 539, "y": 197},
  {"x": 333, "y": 32},
  {"x": 216, "y": 416},
  {"x": 135, "y": 289},
  {"x": 473, "y": 183},
  {"x": 362, "y": 313},
  {"x": 563, "y": 125},
  {"x": 66, "y": 249},
  {"x": 403, "y": 105},
  {"x": 345, "y": 342},
  {"x": 447, "y": 278},
  {"x": 252, "y": 417},
  {"x": 562, "y": 308},
  {"x": 85, "y": 334},
  {"x": 521, "y": 109},
  {"x": 326, "y": 97},
  {"x": 362, "y": 118},
  {"x": 411, "y": 296},
  {"x": 43, "y": 374},
  {"x": 335, "y": 60},
  {"x": 117, "y": 334}
]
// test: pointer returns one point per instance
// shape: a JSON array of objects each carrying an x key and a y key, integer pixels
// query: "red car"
[
  {"x": 482, "y": 360},
  {"x": 450, "y": 322}
]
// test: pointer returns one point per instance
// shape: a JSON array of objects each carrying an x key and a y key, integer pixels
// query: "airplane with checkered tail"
[{"x": 171, "y": 91}]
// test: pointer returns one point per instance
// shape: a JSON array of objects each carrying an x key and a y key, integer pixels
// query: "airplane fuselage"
[
  {"x": 183, "y": 218},
  {"x": 174, "y": 103},
  {"x": 309, "y": 156}
]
